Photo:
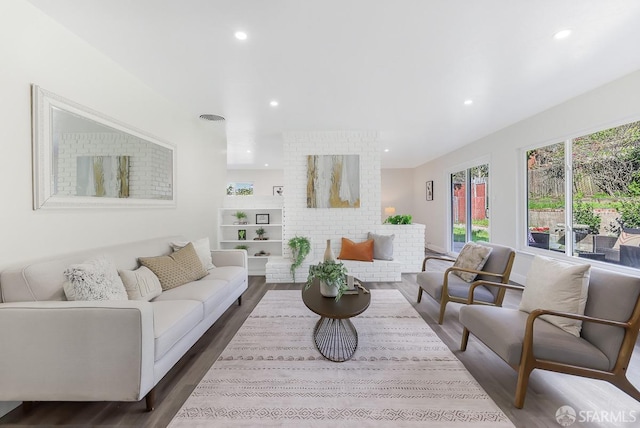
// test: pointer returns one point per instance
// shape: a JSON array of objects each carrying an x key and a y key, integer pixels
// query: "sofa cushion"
[
  {"x": 95, "y": 279},
  {"x": 202, "y": 247},
  {"x": 502, "y": 330},
  {"x": 209, "y": 291},
  {"x": 472, "y": 256},
  {"x": 236, "y": 275},
  {"x": 361, "y": 251},
  {"x": 172, "y": 320},
  {"x": 141, "y": 284},
  {"x": 555, "y": 285},
  {"x": 178, "y": 268}
]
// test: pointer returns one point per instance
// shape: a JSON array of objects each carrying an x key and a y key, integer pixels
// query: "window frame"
[{"x": 523, "y": 198}]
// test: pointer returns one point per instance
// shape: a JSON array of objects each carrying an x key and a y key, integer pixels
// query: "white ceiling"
[{"x": 402, "y": 68}]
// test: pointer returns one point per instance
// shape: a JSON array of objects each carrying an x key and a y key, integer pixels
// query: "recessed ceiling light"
[
  {"x": 562, "y": 34},
  {"x": 240, "y": 35},
  {"x": 274, "y": 103},
  {"x": 248, "y": 151},
  {"x": 386, "y": 150},
  {"x": 468, "y": 102},
  {"x": 266, "y": 164}
]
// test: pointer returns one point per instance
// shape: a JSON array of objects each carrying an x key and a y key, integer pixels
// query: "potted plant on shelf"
[
  {"x": 331, "y": 276},
  {"x": 241, "y": 216},
  {"x": 260, "y": 232},
  {"x": 242, "y": 247},
  {"x": 399, "y": 219},
  {"x": 300, "y": 248}
]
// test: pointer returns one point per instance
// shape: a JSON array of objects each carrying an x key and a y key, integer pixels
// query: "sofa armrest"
[
  {"x": 76, "y": 351},
  {"x": 229, "y": 258}
]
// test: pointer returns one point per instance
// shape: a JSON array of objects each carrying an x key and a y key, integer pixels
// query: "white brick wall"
[
  {"x": 320, "y": 224},
  {"x": 150, "y": 166}
]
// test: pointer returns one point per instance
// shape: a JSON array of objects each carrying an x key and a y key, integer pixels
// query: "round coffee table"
[{"x": 334, "y": 334}]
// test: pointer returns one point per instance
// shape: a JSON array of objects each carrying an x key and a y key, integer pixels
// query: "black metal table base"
[{"x": 336, "y": 339}]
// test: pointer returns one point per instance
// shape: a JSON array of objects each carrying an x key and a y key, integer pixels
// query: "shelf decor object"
[
  {"x": 262, "y": 218},
  {"x": 242, "y": 234}
]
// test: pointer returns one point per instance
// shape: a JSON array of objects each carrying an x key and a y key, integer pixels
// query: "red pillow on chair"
[{"x": 362, "y": 251}]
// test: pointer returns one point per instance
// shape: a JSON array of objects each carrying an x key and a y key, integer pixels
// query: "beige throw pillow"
[
  {"x": 176, "y": 269},
  {"x": 203, "y": 249},
  {"x": 141, "y": 284},
  {"x": 558, "y": 286},
  {"x": 473, "y": 256}
]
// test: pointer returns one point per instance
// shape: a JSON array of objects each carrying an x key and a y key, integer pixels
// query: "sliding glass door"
[{"x": 469, "y": 206}]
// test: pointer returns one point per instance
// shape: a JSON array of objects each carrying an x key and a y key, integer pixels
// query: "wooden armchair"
[
  {"x": 603, "y": 350},
  {"x": 445, "y": 288}
]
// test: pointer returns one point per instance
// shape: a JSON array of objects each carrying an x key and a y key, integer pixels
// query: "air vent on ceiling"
[{"x": 212, "y": 117}]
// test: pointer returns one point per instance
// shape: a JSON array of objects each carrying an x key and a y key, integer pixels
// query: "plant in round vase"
[
  {"x": 300, "y": 248},
  {"x": 332, "y": 277},
  {"x": 241, "y": 216},
  {"x": 261, "y": 232}
]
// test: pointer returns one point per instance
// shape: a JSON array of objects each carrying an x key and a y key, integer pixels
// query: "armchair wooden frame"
[
  {"x": 528, "y": 362},
  {"x": 446, "y": 298}
]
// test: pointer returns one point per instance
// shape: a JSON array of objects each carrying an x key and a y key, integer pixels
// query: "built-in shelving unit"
[{"x": 230, "y": 235}]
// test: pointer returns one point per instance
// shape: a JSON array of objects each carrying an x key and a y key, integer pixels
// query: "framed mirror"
[{"x": 84, "y": 159}]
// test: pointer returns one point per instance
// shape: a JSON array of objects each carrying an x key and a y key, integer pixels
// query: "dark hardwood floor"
[{"x": 547, "y": 391}]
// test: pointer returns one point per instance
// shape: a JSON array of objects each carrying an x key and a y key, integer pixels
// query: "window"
[
  {"x": 239, "y": 189},
  {"x": 583, "y": 196},
  {"x": 469, "y": 200}
]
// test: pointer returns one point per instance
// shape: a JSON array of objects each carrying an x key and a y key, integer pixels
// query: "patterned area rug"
[{"x": 401, "y": 375}]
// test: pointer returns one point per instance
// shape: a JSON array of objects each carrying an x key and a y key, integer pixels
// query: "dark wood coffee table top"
[{"x": 348, "y": 306}]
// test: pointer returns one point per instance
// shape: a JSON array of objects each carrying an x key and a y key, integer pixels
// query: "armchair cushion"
[
  {"x": 502, "y": 330},
  {"x": 555, "y": 285},
  {"x": 627, "y": 237},
  {"x": 431, "y": 283},
  {"x": 473, "y": 256}
]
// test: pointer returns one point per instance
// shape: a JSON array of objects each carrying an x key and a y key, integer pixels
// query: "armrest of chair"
[
  {"x": 539, "y": 312},
  {"x": 490, "y": 284}
]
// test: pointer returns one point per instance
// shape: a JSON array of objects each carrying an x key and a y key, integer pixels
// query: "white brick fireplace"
[{"x": 320, "y": 224}]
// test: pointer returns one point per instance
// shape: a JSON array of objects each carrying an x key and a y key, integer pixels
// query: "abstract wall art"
[
  {"x": 103, "y": 176},
  {"x": 333, "y": 181}
]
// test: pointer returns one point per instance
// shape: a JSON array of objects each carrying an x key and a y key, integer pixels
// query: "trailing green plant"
[
  {"x": 399, "y": 219},
  {"x": 241, "y": 247},
  {"x": 583, "y": 214},
  {"x": 300, "y": 248},
  {"x": 330, "y": 272}
]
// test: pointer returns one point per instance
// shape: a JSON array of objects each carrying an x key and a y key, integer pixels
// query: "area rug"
[{"x": 401, "y": 375}]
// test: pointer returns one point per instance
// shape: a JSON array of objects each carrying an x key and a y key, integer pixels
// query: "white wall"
[
  {"x": 609, "y": 105},
  {"x": 397, "y": 191},
  {"x": 35, "y": 49},
  {"x": 263, "y": 179}
]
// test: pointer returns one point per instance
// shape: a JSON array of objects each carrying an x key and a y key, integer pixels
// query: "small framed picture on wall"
[{"x": 430, "y": 190}]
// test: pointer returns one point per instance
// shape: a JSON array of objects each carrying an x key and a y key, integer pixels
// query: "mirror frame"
[{"x": 42, "y": 131}]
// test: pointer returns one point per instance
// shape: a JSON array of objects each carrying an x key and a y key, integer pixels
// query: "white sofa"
[{"x": 52, "y": 349}]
